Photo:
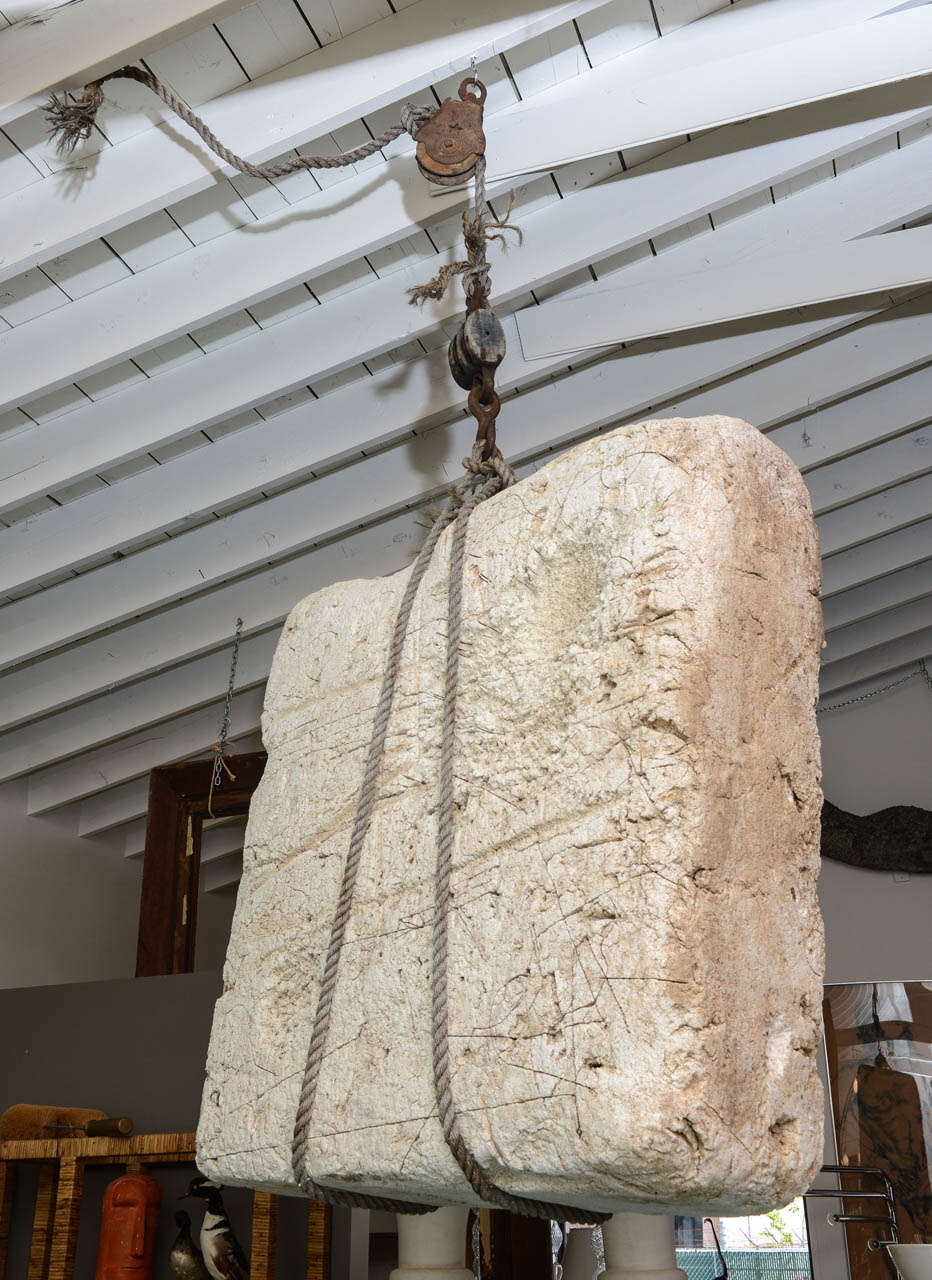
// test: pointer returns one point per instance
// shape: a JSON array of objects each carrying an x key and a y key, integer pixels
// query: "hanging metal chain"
[
  {"x": 921, "y": 670},
  {"x": 227, "y": 707}
]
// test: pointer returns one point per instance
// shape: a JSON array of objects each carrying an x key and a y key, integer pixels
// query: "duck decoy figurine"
[
  {"x": 223, "y": 1255},
  {"x": 185, "y": 1261}
]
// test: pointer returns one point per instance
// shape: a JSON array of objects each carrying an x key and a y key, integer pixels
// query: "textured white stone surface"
[{"x": 636, "y": 947}]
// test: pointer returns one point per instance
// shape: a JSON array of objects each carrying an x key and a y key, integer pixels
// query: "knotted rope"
[
  {"x": 484, "y": 479},
  {"x": 71, "y": 122},
  {"x": 477, "y": 223}
]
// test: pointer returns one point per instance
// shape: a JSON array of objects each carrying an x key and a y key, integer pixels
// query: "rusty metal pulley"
[
  {"x": 450, "y": 143},
  {"x": 478, "y": 343}
]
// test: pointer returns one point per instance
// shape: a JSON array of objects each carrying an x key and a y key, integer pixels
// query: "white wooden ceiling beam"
[
  {"x": 872, "y": 560},
  {"x": 217, "y": 841},
  {"x": 223, "y": 837},
  {"x": 784, "y": 282},
  {"x": 890, "y": 659},
  {"x": 185, "y": 631},
  {"x": 92, "y": 724},
  {"x": 587, "y": 225},
  {"x": 293, "y": 444},
  {"x": 112, "y": 765},
  {"x": 77, "y": 43},
  {"x": 892, "y": 624},
  {"x": 224, "y": 872},
  {"x": 899, "y": 587},
  {"x": 112, "y": 808},
  {"x": 605, "y": 111},
  {"x": 833, "y": 430},
  {"x": 386, "y": 61},
  {"x": 127, "y": 802},
  {"x": 898, "y": 505},
  {"x": 225, "y": 548},
  {"x": 134, "y": 839},
  {"x": 870, "y": 470}
]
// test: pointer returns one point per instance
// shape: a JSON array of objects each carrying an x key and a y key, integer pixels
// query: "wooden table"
[{"x": 62, "y": 1162}]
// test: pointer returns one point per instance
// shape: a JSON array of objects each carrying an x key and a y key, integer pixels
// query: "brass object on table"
[{"x": 25, "y": 1121}]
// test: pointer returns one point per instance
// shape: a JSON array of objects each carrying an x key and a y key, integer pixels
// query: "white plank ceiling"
[{"x": 215, "y": 398}]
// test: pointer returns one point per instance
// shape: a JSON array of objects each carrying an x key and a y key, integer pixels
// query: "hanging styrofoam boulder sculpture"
[{"x": 635, "y": 959}]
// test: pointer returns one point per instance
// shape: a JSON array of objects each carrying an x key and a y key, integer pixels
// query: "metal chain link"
[
  {"x": 922, "y": 670},
  {"x": 227, "y": 706}
]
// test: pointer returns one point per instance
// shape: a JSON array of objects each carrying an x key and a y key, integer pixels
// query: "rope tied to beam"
[{"x": 70, "y": 122}]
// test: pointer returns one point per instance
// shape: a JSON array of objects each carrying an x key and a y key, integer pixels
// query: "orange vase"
[{"x": 128, "y": 1226}]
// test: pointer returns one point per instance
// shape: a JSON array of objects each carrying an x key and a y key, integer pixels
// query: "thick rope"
[
  {"x": 500, "y": 475},
  {"x": 365, "y": 808},
  {"x": 485, "y": 480},
  {"x": 72, "y": 122}
]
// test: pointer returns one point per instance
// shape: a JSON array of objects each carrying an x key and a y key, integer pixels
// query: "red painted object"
[{"x": 128, "y": 1227}]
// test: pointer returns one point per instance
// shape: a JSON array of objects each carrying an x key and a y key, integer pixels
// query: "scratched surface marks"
[{"x": 636, "y": 949}]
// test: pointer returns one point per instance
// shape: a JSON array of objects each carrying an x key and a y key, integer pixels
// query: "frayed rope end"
[
  {"x": 437, "y": 286},
  {"x": 70, "y": 122},
  {"x": 476, "y": 228}
]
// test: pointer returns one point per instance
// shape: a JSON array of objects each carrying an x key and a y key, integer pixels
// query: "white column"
[
  {"x": 432, "y": 1246},
  {"x": 640, "y": 1246}
]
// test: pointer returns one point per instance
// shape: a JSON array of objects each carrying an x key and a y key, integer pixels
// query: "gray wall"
[
  {"x": 132, "y": 1047},
  {"x": 69, "y": 907},
  {"x": 878, "y": 925}
]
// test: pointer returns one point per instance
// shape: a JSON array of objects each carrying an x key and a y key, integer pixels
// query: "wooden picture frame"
[{"x": 180, "y": 798}]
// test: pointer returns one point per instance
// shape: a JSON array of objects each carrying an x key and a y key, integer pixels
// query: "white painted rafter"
[
  {"x": 91, "y": 724},
  {"x": 127, "y": 802},
  {"x": 78, "y": 42},
  {"x": 223, "y": 872},
  {"x": 135, "y": 755},
  {"x": 220, "y": 837},
  {"x": 889, "y": 659},
  {"x": 867, "y": 562},
  {"x": 334, "y": 86},
  {"x": 299, "y": 441},
  {"x": 830, "y": 273},
  {"x": 871, "y": 598},
  {"x": 606, "y": 111},
  {"x": 187, "y": 630},
  {"x": 108, "y": 325}
]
